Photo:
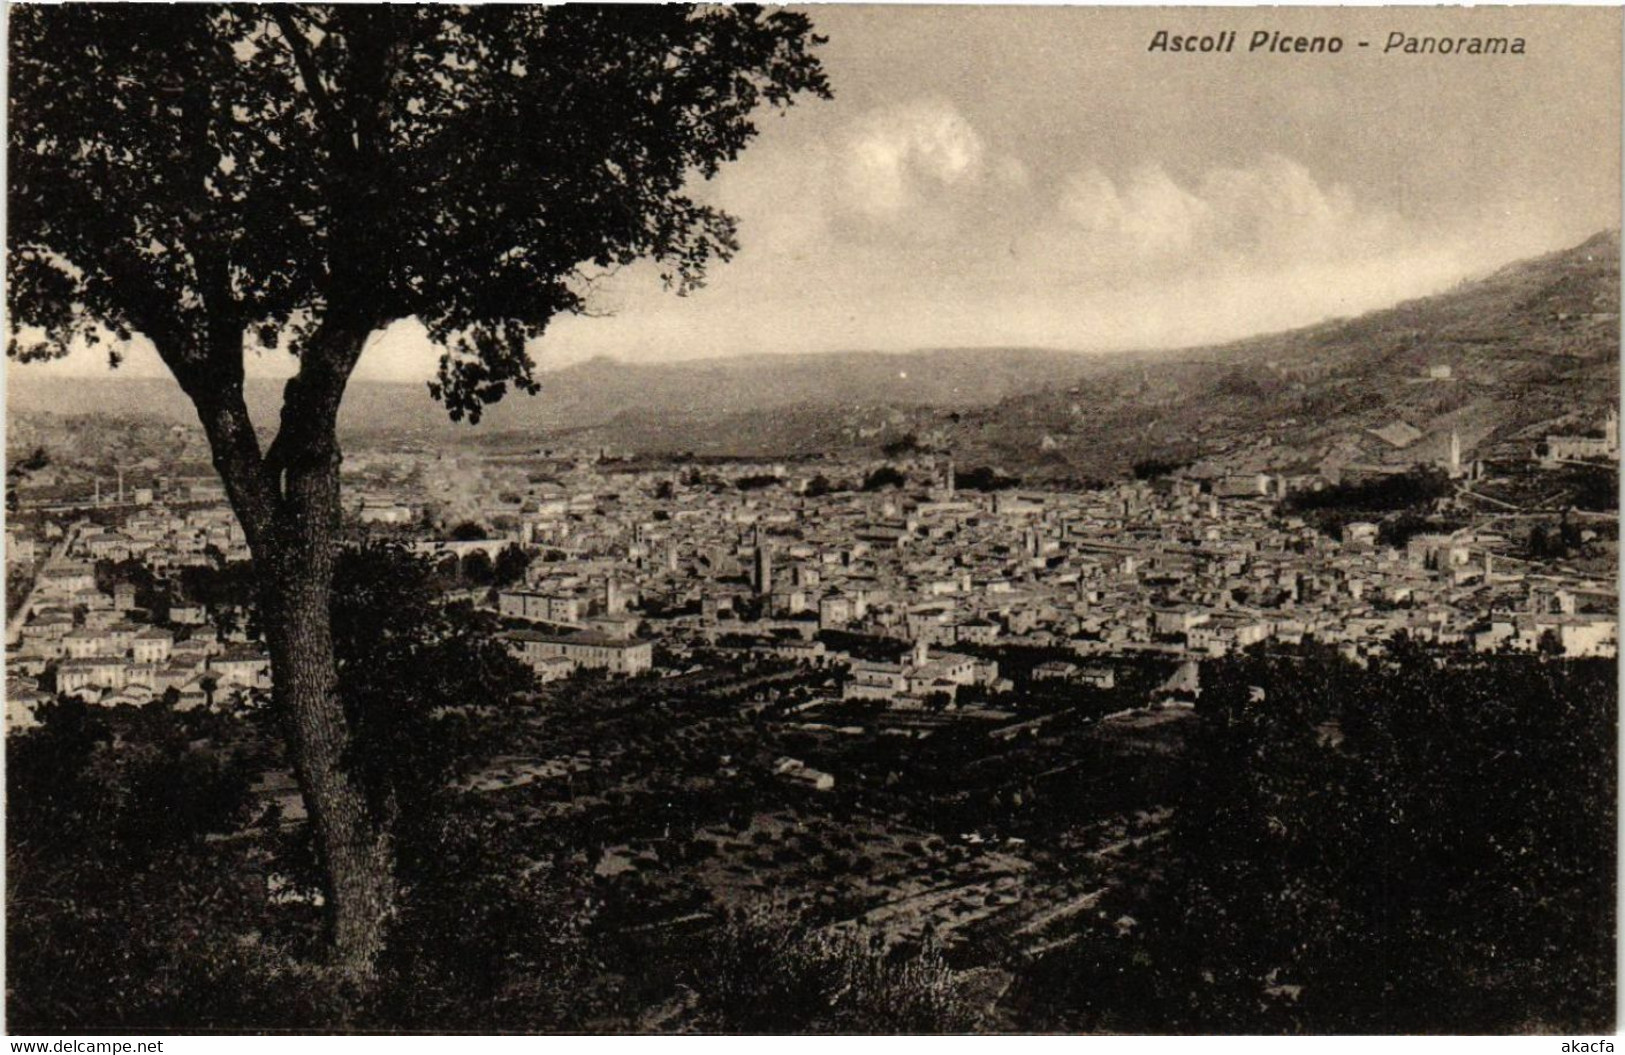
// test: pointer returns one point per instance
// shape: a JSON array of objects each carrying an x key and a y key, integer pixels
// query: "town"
[
  {"x": 755, "y": 649},
  {"x": 769, "y": 560}
]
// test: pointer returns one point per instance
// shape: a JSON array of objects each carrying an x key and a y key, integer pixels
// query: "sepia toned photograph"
[{"x": 840, "y": 519}]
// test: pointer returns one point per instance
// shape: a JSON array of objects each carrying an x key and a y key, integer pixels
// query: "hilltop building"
[{"x": 1586, "y": 448}]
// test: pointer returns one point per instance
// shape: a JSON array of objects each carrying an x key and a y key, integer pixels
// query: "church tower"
[{"x": 764, "y": 566}]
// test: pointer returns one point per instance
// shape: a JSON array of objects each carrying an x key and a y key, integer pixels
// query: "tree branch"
[
  {"x": 311, "y": 398},
  {"x": 299, "y": 46},
  {"x": 236, "y": 453}
]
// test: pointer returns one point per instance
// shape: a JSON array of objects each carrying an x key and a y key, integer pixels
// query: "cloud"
[
  {"x": 901, "y": 155},
  {"x": 1268, "y": 215},
  {"x": 1151, "y": 217}
]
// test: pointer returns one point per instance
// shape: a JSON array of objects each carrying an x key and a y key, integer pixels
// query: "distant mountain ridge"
[
  {"x": 1497, "y": 359},
  {"x": 1531, "y": 342},
  {"x": 598, "y": 390}
]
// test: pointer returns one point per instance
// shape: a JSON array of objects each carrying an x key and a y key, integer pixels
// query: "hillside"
[
  {"x": 1500, "y": 360},
  {"x": 1530, "y": 347}
]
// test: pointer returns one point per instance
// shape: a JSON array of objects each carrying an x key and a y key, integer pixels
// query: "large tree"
[{"x": 221, "y": 178}]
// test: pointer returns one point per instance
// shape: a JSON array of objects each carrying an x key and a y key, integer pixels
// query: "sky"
[{"x": 1013, "y": 176}]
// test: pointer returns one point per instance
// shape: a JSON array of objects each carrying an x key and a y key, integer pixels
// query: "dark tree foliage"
[
  {"x": 1407, "y": 490},
  {"x": 277, "y": 134},
  {"x": 410, "y": 670},
  {"x": 884, "y": 477},
  {"x": 482, "y": 944},
  {"x": 984, "y": 478},
  {"x": 757, "y": 481},
  {"x": 477, "y": 569},
  {"x": 214, "y": 176},
  {"x": 821, "y": 485},
  {"x": 1399, "y": 528},
  {"x": 232, "y": 584},
  {"x": 908, "y": 443},
  {"x": 1152, "y": 468},
  {"x": 21, "y": 469},
  {"x": 511, "y": 564},
  {"x": 1596, "y": 487},
  {"x": 133, "y": 571},
  {"x": 468, "y": 531},
  {"x": 1559, "y": 541},
  {"x": 45, "y": 792},
  {"x": 1421, "y": 846},
  {"x": 120, "y": 910},
  {"x": 127, "y": 907}
]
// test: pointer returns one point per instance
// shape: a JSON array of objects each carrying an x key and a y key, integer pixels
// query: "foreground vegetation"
[{"x": 1422, "y": 844}]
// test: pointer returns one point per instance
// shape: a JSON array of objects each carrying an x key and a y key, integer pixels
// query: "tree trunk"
[
  {"x": 295, "y": 571},
  {"x": 287, "y": 501}
]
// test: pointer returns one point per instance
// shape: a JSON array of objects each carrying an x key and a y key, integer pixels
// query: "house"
[
  {"x": 122, "y": 636},
  {"x": 192, "y": 652},
  {"x": 1060, "y": 670},
  {"x": 86, "y": 643},
  {"x": 91, "y": 599},
  {"x": 46, "y": 639},
  {"x": 552, "y": 668},
  {"x": 544, "y": 607},
  {"x": 834, "y": 612},
  {"x": 242, "y": 668},
  {"x": 107, "y": 545},
  {"x": 192, "y": 694},
  {"x": 1172, "y": 621},
  {"x": 1360, "y": 533},
  {"x": 88, "y": 677},
  {"x": 919, "y": 674},
  {"x": 103, "y": 618},
  {"x": 584, "y": 648},
  {"x": 1247, "y": 485},
  {"x": 1438, "y": 552},
  {"x": 621, "y": 627},
  {"x": 1054, "y": 670},
  {"x": 1585, "y": 635},
  {"x": 976, "y": 632},
  {"x": 1227, "y": 632},
  {"x": 28, "y": 662},
  {"x": 151, "y": 645},
  {"x": 65, "y": 578},
  {"x": 1587, "y": 448},
  {"x": 375, "y": 512},
  {"x": 798, "y": 772},
  {"x": 1096, "y": 677},
  {"x": 807, "y": 652}
]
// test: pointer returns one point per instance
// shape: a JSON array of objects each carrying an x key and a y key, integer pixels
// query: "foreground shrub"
[{"x": 768, "y": 971}]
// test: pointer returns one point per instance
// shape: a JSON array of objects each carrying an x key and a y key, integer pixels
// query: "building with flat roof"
[{"x": 585, "y": 649}]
